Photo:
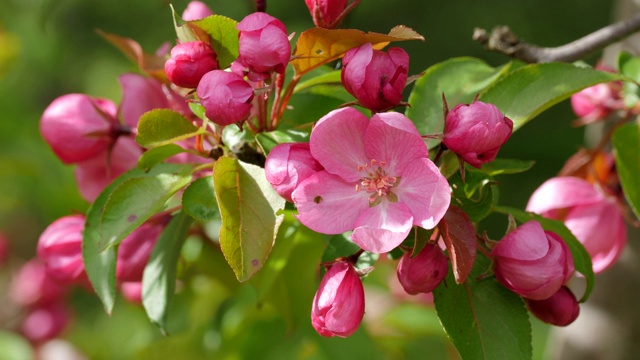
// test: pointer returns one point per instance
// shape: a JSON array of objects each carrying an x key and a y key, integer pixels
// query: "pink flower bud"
[
  {"x": 132, "y": 291},
  {"x": 561, "y": 309},
  {"x": 532, "y": 262},
  {"x": 225, "y": 96},
  {"x": 92, "y": 176},
  {"x": 196, "y": 10},
  {"x": 476, "y": 131},
  {"x": 596, "y": 102},
  {"x": 264, "y": 45},
  {"x": 595, "y": 219},
  {"x": 77, "y": 127},
  {"x": 374, "y": 77},
  {"x": 4, "y": 249},
  {"x": 423, "y": 272},
  {"x": 287, "y": 165},
  {"x": 60, "y": 248},
  {"x": 338, "y": 306},
  {"x": 326, "y": 13},
  {"x": 32, "y": 286},
  {"x": 45, "y": 323},
  {"x": 134, "y": 251},
  {"x": 189, "y": 62}
]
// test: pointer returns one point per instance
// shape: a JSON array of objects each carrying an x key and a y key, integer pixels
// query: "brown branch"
[{"x": 502, "y": 40}]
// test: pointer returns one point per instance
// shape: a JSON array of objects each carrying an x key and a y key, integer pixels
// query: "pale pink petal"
[
  {"x": 425, "y": 192},
  {"x": 337, "y": 142},
  {"x": 139, "y": 95},
  {"x": 381, "y": 228},
  {"x": 562, "y": 192},
  {"x": 327, "y": 204},
  {"x": 524, "y": 243}
]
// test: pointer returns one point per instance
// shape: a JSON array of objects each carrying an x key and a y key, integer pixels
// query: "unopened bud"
[{"x": 423, "y": 272}]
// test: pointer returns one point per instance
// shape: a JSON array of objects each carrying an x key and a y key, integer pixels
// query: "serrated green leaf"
[
  {"x": 483, "y": 319},
  {"x": 626, "y": 141},
  {"x": 199, "y": 200},
  {"x": 136, "y": 199},
  {"x": 159, "y": 278},
  {"x": 523, "y": 94},
  {"x": 224, "y": 37},
  {"x": 581, "y": 258},
  {"x": 506, "y": 166},
  {"x": 163, "y": 126},
  {"x": 248, "y": 207},
  {"x": 157, "y": 155},
  {"x": 460, "y": 79},
  {"x": 269, "y": 140}
]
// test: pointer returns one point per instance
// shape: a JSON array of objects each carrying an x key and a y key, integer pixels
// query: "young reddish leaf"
[
  {"x": 317, "y": 46},
  {"x": 459, "y": 236},
  {"x": 149, "y": 63}
]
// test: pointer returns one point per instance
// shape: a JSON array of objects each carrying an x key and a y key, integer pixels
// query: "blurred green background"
[{"x": 49, "y": 48}]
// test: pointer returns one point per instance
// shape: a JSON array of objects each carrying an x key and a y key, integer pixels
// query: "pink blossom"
[
  {"x": 374, "y": 77},
  {"x": 77, "y": 126},
  {"x": 45, "y": 322},
  {"x": 377, "y": 180},
  {"x": 476, "y": 132},
  {"x": 561, "y": 309},
  {"x": 135, "y": 249},
  {"x": 338, "y": 306},
  {"x": 532, "y": 262},
  {"x": 288, "y": 165},
  {"x": 264, "y": 45},
  {"x": 196, "y": 10},
  {"x": 596, "y": 102},
  {"x": 60, "y": 248},
  {"x": 326, "y": 13},
  {"x": 132, "y": 291},
  {"x": 4, "y": 250},
  {"x": 594, "y": 219},
  {"x": 225, "y": 96},
  {"x": 32, "y": 286},
  {"x": 424, "y": 272},
  {"x": 189, "y": 62}
]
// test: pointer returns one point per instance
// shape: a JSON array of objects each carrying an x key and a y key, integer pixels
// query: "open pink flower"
[
  {"x": 594, "y": 219},
  {"x": 377, "y": 180}
]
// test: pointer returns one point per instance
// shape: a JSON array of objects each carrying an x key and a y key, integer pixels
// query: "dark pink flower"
[
  {"x": 225, "y": 96},
  {"x": 561, "y": 309},
  {"x": 134, "y": 251},
  {"x": 264, "y": 45},
  {"x": 532, "y": 262},
  {"x": 326, "y": 13},
  {"x": 594, "y": 219},
  {"x": 189, "y": 62},
  {"x": 476, "y": 131},
  {"x": 374, "y": 77},
  {"x": 377, "y": 180},
  {"x": 338, "y": 306},
  {"x": 77, "y": 127},
  {"x": 4, "y": 249},
  {"x": 60, "y": 248},
  {"x": 289, "y": 164},
  {"x": 45, "y": 322},
  {"x": 196, "y": 10},
  {"x": 423, "y": 272},
  {"x": 596, "y": 102},
  {"x": 32, "y": 286}
]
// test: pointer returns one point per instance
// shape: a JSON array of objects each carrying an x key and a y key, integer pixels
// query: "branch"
[{"x": 502, "y": 40}]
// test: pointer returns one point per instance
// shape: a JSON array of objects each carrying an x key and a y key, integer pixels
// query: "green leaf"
[
  {"x": 333, "y": 77},
  {"x": 629, "y": 65},
  {"x": 199, "y": 200},
  {"x": 483, "y": 319},
  {"x": 523, "y": 94},
  {"x": 460, "y": 79},
  {"x": 224, "y": 37},
  {"x": 581, "y": 258},
  {"x": 476, "y": 196},
  {"x": 136, "y": 199},
  {"x": 248, "y": 207},
  {"x": 14, "y": 347},
  {"x": 163, "y": 126},
  {"x": 626, "y": 141},
  {"x": 157, "y": 155},
  {"x": 159, "y": 278},
  {"x": 305, "y": 109},
  {"x": 339, "y": 245},
  {"x": 269, "y": 140},
  {"x": 506, "y": 166}
]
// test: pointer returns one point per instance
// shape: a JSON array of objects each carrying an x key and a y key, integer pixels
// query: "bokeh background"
[{"x": 50, "y": 47}]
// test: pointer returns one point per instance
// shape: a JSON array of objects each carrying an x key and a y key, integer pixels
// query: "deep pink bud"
[
  {"x": 60, "y": 248},
  {"x": 264, "y": 45},
  {"x": 189, "y": 62},
  {"x": 32, "y": 286},
  {"x": 423, "y": 272},
  {"x": 225, "y": 96},
  {"x": 77, "y": 127},
  {"x": 92, "y": 176},
  {"x": 45, "y": 323},
  {"x": 338, "y": 306},
  {"x": 134, "y": 251},
  {"x": 326, "y": 13},
  {"x": 287, "y": 165},
  {"x": 532, "y": 262},
  {"x": 476, "y": 131},
  {"x": 4, "y": 249},
  {"x": 561, "y": 309},
  {"x": 374, "y": 77},
  {"x": 196, "y": 10},
  {"x": 132, "y": 291},
  {"x": 596, "y": 102}
]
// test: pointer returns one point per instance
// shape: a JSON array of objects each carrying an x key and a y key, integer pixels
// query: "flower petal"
[
  {"x": 139, "y": 95},
  {"x": 562, "y": 192},
  {"x": 381, "y": 228},
  {"x": 528, "y": 242}
]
